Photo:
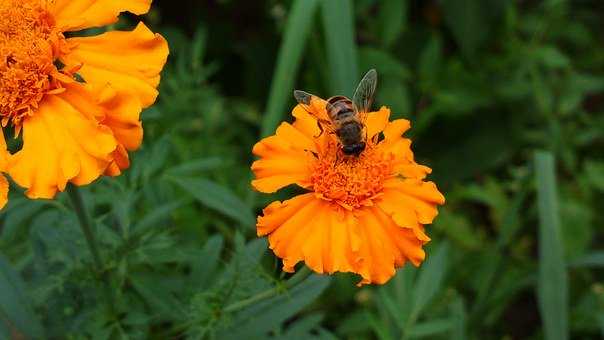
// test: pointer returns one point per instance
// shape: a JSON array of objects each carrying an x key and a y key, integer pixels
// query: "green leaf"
[
  {"x": 551, "y": 57},
  {"x": 217, "y": 197},
  {"x": 195, "y": 167},
  {"x": 154, "y": 217},
  {"x": 431, "y": 328},
  {"x": 385, "y": 63},
  {"x": 594, "y": 173},
  {"x": 459, "y": 315},
  {"x": 595, "y": 259},
  {"x": 393, "y": 18},
  {"x": 339, "y": 27},
  {"x": 16, "y": 314},
  {"x": 297, "y": 28},
  {"x": 204, "y": 267},
  {"x": 429, "y": 280},
  {"x": 259, "y": 319},
  {"x": 553, "y": 281},
  {"x": 468, "y": 22}
]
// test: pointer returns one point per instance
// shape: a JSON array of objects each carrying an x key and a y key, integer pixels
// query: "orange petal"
[
  {"x": 311, "y": 230},
  {"x": 400, "y": 148},
  {"x": 411, "y": 203},
  {"x": 74, "y": 15},
  {"x": 385, "y": 246},
  {"x": 285, "y": 158},
  {"x": 62, "y": 142},
  {"x": 3, "y": 191},
  {"x": 128, "y": 61},
  {"x": 121, "y": 161},
  {"x": 376, "y": 121},
  {"x": 122, "y": 115}
]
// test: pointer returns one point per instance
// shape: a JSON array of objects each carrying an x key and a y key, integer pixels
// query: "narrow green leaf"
[
  {"x": 393, "y": 18},
  {"x": 16, "y": 314},
  {"x": 595, "y": 259},
  {"x": 217, "y": 197},
  {"x": 204, "y": 267},
  {"x": 431, "y": 328},
  {"x": 429, "y": 281},
  {"x": 552, "y": 288},
  {"x": 459, "y": 315},
  {"x": 288, "y": 61},
  {"x": 155, "y": 216},
  {"x": 338, "y": 23},
  {"x": 194, "y": 167},
  {"x": 468, "y": 21}
]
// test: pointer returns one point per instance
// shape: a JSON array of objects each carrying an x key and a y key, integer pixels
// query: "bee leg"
[{"x": 320, "y": 128}]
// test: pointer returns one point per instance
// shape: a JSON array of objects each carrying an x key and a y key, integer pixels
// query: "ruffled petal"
[
  {"x": 411, "y": 203},
  {"x": 128, "y": 61},
  {"x": 74, "y": 15},
  {"x": 311, "y": 230},
  {"x": 400, "y": 148},
  {"x": 376, "y": 121},
  {"x": 62, "y": 142},
  {"x": 121, "y": 113},
  {"x": 384, "y": 247},
  {"x": 285, "y": 158}
]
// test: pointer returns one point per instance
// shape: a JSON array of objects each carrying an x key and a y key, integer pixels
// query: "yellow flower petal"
[
  {"x": 307, "y": 229},
  {"x": 74, "y": 15},
  {"x": 128, "y": 61},
  {"x": 62, "y": 142},
  {"x": 285, "y": 159}
]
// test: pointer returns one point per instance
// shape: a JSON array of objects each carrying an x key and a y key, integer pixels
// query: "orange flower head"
[
  {"x": 76, "y": 100},
  {"x": 29, "y": 52},
  {"x": 363, "y": 214}
]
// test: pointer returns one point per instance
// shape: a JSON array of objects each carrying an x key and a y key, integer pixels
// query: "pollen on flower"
[
  {"x": 28, "y": 49},
  {"x": 351, "y": 181}
]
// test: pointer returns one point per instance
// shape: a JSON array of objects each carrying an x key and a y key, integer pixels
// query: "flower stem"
[
  {"x": 298, "y": 278},
  {"x": 85, "y": 224}
]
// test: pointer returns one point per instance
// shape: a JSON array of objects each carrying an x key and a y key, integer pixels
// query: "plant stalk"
[
  {"x": 302, "y": 274},
  {"x": 86, "y": 225}
]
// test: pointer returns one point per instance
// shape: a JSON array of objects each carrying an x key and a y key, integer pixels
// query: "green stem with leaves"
[
  {"x": 86, "y": 225},
  {"x": 302, "y": 274}
]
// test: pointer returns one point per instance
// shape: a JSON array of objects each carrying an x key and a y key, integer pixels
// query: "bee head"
[{"x": 353, "y": 149}]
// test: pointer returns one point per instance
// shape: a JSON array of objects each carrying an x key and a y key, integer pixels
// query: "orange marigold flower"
[
  {"x": 76, "y": 100},
  {"x": 364, "y": 214}
]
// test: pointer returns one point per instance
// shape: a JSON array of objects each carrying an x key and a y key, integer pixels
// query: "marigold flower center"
[
  {"x": 348, "y": 180},
  {"x": 29, "y": 47}
]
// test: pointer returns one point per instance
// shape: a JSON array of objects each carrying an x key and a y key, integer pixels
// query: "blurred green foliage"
[{"x": 506, "y": 99}]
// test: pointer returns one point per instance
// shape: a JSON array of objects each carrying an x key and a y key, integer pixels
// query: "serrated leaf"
[{"x": 262, "y": 317}]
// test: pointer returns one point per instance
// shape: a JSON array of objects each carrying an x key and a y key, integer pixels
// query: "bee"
[{"x": 345, "y": 118}]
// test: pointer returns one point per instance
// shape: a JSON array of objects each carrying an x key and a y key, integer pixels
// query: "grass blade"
[
  {"x": 553, "y": 281},
  {"x": 429, "y": 281},
  {"x": 338, "y": 22},
  {"x": 288, "y": 61}
]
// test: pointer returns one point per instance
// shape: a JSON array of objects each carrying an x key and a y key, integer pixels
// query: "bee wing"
[
  {"x": 363, "y": 96},
  {"x": 317, "y": 107}
]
